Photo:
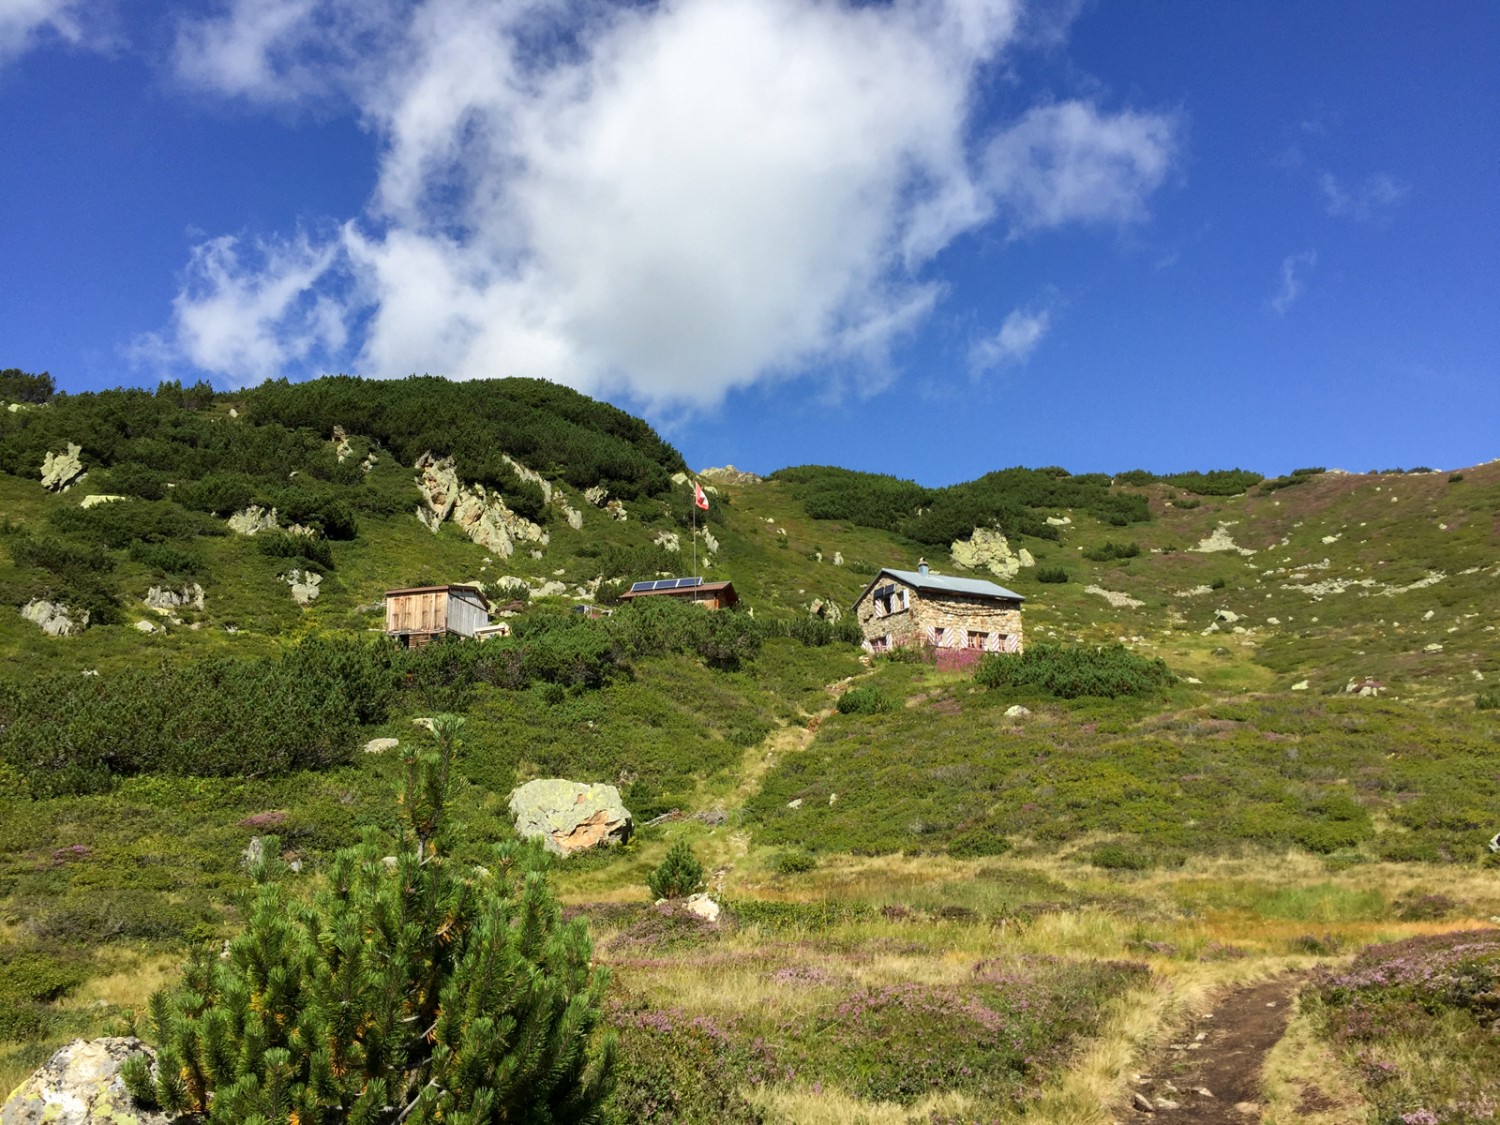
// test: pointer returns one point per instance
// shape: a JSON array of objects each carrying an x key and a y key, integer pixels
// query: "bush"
[
  {"x": 794, "y": 861},
  {"x": 1109, "y": 550},
  {"x": 1068, "y": 672},
  {"x": 18, "y": 386},
  {"x": 864, "y": 701},
  {"x": 679, "y": 874},
  {"x": 300, "y": 548},
  {"x": 411, "y": 991},
  {"x": 1488, "y": 699},
  {"x": 1118, "y": 857},
  {"x": 1051, "y": 575},
  {"x": 978, "y": 843},
  {"x": 1454, "y": 478}
]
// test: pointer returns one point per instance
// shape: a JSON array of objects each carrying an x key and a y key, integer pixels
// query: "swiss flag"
[{"x": 698, "y": 497}]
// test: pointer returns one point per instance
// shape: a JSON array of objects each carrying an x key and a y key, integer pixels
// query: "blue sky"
[{"x": 924, "y": 237}]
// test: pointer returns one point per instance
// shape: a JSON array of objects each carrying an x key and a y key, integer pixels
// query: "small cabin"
[
  {"x": 422, "y": 614},
  {"x": 957, "y": 618},
  {"x": 710, "y": 595}
]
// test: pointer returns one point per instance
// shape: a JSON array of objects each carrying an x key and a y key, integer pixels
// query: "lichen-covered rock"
[
  {"x": 304, "y": 584},
  {"x": 54, "y": 618},
  {"x": 616, "y": 511},
  {"x": 667, "y": 540},
  {"x": 481, "y": 514},
  {"x": 703, "y": 907},
  {"x": 252, "y": 520},
  {"x": 438, "y": 481},
  {"x": 341, "y": 446},
  {"x": 81, "y": 1085},
  {"x": 570, "y": 816},
  {"x": 988, "y": 549},
  {"x": 164, "y": 600},
  {"x": 100, "y": 498},
  {"x": 597, "y": 496},
  {"x": 730, "y": 475},
  {"x": 61, "y": 471}
]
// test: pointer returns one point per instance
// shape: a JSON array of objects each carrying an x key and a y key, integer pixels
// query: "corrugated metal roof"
[{"x": 974, "y": 587}]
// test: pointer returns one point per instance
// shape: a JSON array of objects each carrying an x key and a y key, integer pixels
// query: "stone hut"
[{"x": 958, "y": 618}]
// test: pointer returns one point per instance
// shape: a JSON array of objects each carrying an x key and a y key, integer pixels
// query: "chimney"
[{"x": 921, "y": 566}]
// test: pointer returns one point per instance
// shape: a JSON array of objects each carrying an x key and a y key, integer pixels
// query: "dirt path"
[{"x": 1210, "y": 1074}]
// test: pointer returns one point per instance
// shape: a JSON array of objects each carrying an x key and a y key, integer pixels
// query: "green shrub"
[
  {"x": 865, "y": 701},
  {"x": 1068, "y": 672},
  {"x": 19, "y": 386},
  {"x": 978, "y": 843},
  {"x": 1186, "y": 503},
  {"x": 1217, "y": 482},
  {"x": 678, "y": 875},
  {"x": 1488, "y": 699},
  {"x": 1217, "y": 584},
  {"x": 165, "y": 559},
  {"x": 1051, "y": 575},
  {"x": 794, "y": 861},
  {"x": 415, "y": 991},
  {"x": 1454, "y": 478},
  {"x": 1119, "y": 857},
  {"x": 300, "y": 548},
  {"x": 1109, "y": 550}
]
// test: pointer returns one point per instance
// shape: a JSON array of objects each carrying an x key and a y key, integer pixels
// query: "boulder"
[
  {"x": 381, "y": 745},
  {"x": 147, "y": 627},
  {"x": 1016, "y": 711},
  {"x": 252, "y": 520},
  {"x": 709, "y": 541},
  {"x": 54, "y": 618},
  {"x": 81, "y": 1085},
  {"x": 838, "y": 558},
  {"x": 616, "y": 511},
  {"x": 166, "y": 601},
  {"x": 100, "y": 498},
  {"x": 304, "y": 584},
  {"x": 730, "y": 475},
  {"x": 570, "y": 816},
  {"x": 704, "y": 907},
  {"x": 598, "y": 496},
  {"x": 61, "y": 471},
  {"x": 988, "y": 549},
  {"x": 668, "y": 540}
]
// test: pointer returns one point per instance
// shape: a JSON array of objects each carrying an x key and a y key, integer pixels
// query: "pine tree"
[
  {"x": 678, "y": 875},
  {"x": 405, "y": 992}
]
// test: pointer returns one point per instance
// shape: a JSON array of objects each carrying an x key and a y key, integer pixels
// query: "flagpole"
[{"x": 695, "y": 531}]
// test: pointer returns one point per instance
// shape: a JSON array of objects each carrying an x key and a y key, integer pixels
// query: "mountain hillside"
[{"x": 947, "y": 895}]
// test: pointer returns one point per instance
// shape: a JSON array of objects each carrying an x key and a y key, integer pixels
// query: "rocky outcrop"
[
  {"x": 988, "y": 549},
  {"x": 100, "y": 498},
  {"x": 54, "y": 618},
  {"x": 709, "y": 541},
  {"x": 1221, "y": 540},
  {"x": 730, "y": 475},
  {"x": 481, "y": 514},
  {"x": 667, "y": 540},
  {"x": 570, "y": 816},
  {"x": 598, "y": 496},
  {"x": 167, "y": 601},
  {"x": 61, "y": 471},
  {"x": 341, "y": 447},
  {"x": 81, "y": 1085},
  {"x": 304, "y": 584},
  {"x": 1114, "y": 597},
  {"x": 253, "y": 520}
]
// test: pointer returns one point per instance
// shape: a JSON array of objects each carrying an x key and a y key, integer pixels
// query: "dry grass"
[
  {"x": 130, "y": 983},
  {"x": 803, "y": 1105},
  {"x": 1304, "y": 1082}
]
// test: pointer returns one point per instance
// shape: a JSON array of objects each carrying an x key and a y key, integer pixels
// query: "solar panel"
[
  {"x": 689, "y": 582},
  {"x": 640, "y": 586}
]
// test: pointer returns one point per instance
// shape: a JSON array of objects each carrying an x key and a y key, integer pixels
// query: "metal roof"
[{"x": 973, "y": 587}]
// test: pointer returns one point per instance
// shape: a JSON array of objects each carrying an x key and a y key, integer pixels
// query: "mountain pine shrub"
[
  {"x": 1109, "y": 550},
  {"x": 404, "y": 991},
  {"x": 677, "y": 876},
  {"x": 1068, "y": 671},
  {"x": 864, "y": 701},
  {"x": 1051, "y": 575}
]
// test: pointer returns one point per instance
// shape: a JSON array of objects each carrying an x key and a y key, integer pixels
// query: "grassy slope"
[{"x": 160, "y": 857}]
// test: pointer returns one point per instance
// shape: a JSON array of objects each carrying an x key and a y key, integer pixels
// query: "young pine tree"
[
  {"x": 678, "y": 875},
  {"x": 407, "y": 991}
]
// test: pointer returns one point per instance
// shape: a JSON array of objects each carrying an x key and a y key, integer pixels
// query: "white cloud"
[
  {"x": 25, "y": 23},
  {"x": 1369, "y": 201},
  {"x": 676, "y": 199},
  {"x": 248, "y": 316},
  {"x": 1294, "y": 270},
  {"x": 1018, "y": 337},
  {"x": 1072, "y": 163}
]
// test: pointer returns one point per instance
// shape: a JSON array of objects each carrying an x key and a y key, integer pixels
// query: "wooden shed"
[
  {"x": 711, "y": 595},
  {"x": 422, "y": 614}
]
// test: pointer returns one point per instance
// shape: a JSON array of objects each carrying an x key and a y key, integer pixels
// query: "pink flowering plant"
[{"x": 1416, "y": 1020}]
